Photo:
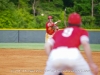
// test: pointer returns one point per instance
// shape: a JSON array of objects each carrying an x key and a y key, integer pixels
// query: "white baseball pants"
[{"x": 65, "y": 59}]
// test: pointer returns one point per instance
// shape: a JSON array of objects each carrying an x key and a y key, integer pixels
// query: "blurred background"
[
  {"x": 32, "y": 14},
  {"x": 22, "y": 22}
]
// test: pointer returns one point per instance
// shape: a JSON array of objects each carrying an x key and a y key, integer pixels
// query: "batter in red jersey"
[
  {"x": 51, "y": 27},
  {"x": 63, "y": 50}
]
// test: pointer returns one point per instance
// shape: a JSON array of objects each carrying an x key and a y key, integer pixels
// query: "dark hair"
[{"x": 74, "y": 25}]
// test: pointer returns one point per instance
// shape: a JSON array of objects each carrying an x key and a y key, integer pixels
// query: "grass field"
[{"x": 38, "y": 46}]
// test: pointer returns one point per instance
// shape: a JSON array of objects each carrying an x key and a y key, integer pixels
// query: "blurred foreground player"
[{"x": 63, "y": 50}]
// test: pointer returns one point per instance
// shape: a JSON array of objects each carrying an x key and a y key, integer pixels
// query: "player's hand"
[
  {"x": 59, "y": 21},
  {"x": 94, "y": 67}
]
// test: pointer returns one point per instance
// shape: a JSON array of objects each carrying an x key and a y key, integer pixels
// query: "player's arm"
[
  {"x": 47, "y": 48},
  {"x": 55, "y": 25},
  {"x": 87, "y": 49},
  {"x": 57, "y": 21},
  {"x": 48, "y": 45}
]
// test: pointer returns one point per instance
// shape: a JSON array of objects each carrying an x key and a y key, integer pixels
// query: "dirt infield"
[{"x": 29, "y": 62}]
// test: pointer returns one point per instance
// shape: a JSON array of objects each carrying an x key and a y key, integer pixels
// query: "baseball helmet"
[
  {"x": 50, "y": 17},
  {"x": 74, "y": 18}
]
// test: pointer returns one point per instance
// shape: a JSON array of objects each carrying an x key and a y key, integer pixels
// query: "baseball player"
[
  {"x": 51, "y": 27},
  {"x": 63, "y": 50}
]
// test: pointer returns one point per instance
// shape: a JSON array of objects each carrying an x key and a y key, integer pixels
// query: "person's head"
[
  {"x": 50, "y": 18},
  {"x": 74, "y": 19}
]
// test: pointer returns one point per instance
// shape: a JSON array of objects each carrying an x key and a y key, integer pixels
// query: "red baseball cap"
[
  {"x": 50, "y": 17},
  {"x": 74, "y": 18}
]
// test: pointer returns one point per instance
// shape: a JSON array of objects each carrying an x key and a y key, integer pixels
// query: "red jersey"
[
  {"x": 50, "y": 28},
  {"x": 69, "y": 37}
]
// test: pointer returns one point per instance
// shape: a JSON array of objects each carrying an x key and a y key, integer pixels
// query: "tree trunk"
[
  {"x": 18, "y": 4},
  {"x": 92, "y": 9},
  {"x": 34, "y": 8}
]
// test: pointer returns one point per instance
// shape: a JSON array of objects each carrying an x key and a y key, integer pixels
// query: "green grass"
[
  {"x": 94, "y": 47},
  {"x": 22, "y": 45}
]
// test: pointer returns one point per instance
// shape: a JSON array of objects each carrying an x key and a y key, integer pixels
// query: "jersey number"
[{"x": 67, "y": 32}]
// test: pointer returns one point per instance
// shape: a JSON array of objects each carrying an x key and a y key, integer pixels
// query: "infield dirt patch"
[{"x": 29, "y": 62}]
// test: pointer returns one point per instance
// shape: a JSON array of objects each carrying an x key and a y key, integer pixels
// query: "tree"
[
  {"x": 34, "y": 3},
  {"x": 97, "y": 11},
  {"x": 83, "y": 7},
  {"x": 27, "y": 13},
  {"x": 92, "y": 8}
]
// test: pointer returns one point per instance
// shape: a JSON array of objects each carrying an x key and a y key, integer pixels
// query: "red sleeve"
[{"x": 84, "y": 32}]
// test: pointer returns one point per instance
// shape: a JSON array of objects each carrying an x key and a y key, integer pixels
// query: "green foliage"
[
  {"x": 40, "y": 21},
  {"x": 97, "y": 13},
  {"x": 20, "y": 13},
  {"x": 25, "y": 19},
  {"x": 83, "y": 7},
  {"x": 58, "y": 4},
  {"x": 88, "y": 22},
  {"x": 16, "y": 19},
  {"x": 6, "y": 20},
  {"x": 68, "y": 3},
  {"x": 6, "y": 5}
]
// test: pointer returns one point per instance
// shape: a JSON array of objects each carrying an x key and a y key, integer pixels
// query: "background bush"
[{"x": 26, "y": 14}]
